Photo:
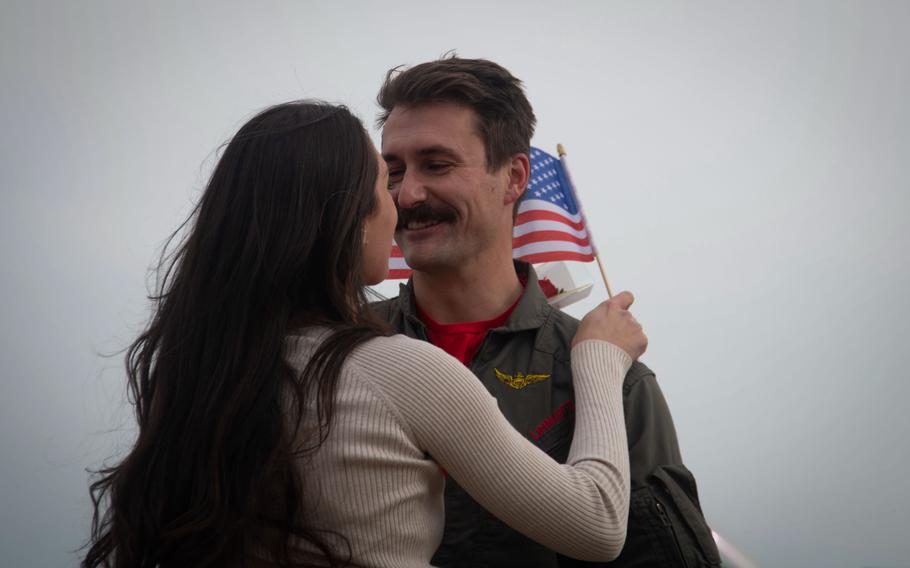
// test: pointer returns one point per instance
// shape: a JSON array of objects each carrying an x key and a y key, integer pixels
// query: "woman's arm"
[{"x": 578, "y": 509}]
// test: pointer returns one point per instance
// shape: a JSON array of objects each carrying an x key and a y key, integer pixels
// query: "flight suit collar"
[{"x": 532, "y": 312}]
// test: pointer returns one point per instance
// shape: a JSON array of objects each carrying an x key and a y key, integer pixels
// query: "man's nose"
[{"x": 411, "y": 192}]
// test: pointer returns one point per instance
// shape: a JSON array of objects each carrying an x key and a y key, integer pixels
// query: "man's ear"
[{"x": 519, "y": 171}]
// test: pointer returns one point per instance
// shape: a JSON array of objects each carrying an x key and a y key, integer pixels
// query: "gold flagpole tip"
[{"x": 561, "y": 150}]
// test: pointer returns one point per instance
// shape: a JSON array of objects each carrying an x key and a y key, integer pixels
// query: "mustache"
[{"x": 425, "y": 213}]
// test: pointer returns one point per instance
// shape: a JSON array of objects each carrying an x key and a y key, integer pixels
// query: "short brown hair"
[{"x": 505, "y": 118}]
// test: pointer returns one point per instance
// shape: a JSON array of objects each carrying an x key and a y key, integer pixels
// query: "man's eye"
[
  {"x": 438, "y": 166},
  {"x": 394, "y": 178}
]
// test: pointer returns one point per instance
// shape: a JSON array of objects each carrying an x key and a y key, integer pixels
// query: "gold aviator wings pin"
[{"x": 520, "y": 380}]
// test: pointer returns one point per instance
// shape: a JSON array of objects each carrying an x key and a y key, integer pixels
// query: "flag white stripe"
[
  {"x": 397, "y": 262},
  {"x": 550, "y": 246},
  {"x": 541, "y": 205},
  {"x": 532, "y": 226}
]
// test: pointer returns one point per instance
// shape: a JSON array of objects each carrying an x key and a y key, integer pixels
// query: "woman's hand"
[{"x": 611, "y": 321}]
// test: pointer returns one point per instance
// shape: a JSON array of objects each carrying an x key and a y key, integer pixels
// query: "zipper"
[
  {"x": 662, "y": 511},
  {"x": 665, "y": 518}
]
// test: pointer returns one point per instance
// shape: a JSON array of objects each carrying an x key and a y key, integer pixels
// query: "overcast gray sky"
[{"x": 744, "y": 168}]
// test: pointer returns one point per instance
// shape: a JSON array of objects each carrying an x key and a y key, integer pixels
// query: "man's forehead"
[{"x": 429, "y": 128}]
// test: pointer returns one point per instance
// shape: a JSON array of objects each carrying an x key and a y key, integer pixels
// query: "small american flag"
[{"x": 549, "y": 227}]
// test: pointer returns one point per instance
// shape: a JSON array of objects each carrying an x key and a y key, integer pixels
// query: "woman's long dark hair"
[{"x": 275, "y": 245}]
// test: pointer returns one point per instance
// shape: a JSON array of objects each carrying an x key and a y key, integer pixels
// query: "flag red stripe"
[
  {"x": 546, "y": 216},
  {"x": 540, "y": 236},
  {"x": 399, "y": 273},
  {"x": 556, "y": 256}
]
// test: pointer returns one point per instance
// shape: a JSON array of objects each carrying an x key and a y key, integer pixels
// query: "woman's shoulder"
[
  {"x": 381, "y": 355},
  {"x": 409, "y": 365},
  {"x": 399, "y": 351}
]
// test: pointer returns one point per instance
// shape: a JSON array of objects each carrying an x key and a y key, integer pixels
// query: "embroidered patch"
[
  {"x": 564, "y": 409},
  {"x": 520, "y": 380}
]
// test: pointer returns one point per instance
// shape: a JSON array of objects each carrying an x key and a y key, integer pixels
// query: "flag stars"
[{"x": 545, "y": 181}]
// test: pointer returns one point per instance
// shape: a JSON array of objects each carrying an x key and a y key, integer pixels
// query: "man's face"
[{"x": 450, "y": 207}]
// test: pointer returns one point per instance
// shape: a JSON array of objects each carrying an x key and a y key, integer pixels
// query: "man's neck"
[{"x": 478, "y": 292}]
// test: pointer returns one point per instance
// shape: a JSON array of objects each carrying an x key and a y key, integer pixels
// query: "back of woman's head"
[
  {"x": 285, "y": 207},
  {"x": 275, "y": 244}
]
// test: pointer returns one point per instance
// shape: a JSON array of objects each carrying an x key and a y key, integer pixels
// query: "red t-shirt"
[{"x": 461, "y": 340}]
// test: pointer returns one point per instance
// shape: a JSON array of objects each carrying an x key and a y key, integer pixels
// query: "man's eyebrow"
[{"x": 436, "y": 150}]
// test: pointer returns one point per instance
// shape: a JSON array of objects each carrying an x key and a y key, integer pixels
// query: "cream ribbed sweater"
[{"x": 400, "y": 401}]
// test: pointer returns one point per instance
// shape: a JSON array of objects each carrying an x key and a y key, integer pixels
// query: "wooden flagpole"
[{"x": 561, "y": 150}]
